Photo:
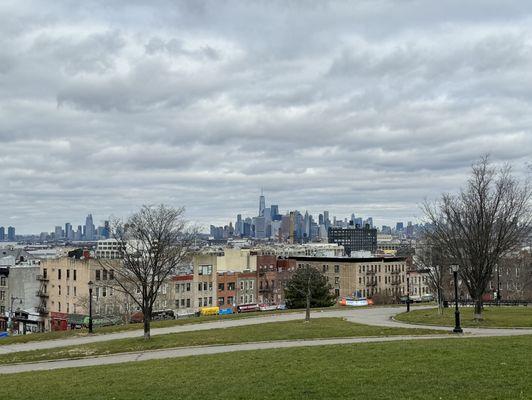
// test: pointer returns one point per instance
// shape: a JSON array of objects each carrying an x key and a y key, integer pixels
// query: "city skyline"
[{"x": 220, "y": 221}]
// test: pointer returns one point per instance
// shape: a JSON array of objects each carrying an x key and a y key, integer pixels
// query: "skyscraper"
[
  {"x": 2, "y": 233},
  {"x": 262, "y": 204},
  {"x": 69, "y": 233},
  {"x": 10, "y": 234},
  {"x": 89, "y": 228}
]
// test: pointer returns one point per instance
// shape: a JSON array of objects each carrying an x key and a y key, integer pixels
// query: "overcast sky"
[{"x": 365, "y": 107}]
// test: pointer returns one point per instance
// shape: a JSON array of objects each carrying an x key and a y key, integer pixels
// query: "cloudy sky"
[{"x": 360, "y": 106}]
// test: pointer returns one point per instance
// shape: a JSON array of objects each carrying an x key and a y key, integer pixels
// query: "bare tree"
[
  {"x": 151, "y": 244},
  {"x": 488, "y": 219},
  {"x": 429, "y": 258}
]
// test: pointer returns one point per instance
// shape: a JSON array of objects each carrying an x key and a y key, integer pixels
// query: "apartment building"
[
  {"x": 183, "y": 294},
  {"x": 272, "y": 276},
  {"x": 227, "y": 294},
  {"x": 246, "y": 288},
  {"x": 204, "y": 274},
  {"x": 65, "y": 291},
  {"x": 361, "y": 277}
]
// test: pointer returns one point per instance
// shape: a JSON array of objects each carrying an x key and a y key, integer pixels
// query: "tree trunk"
[
  {"x": 307, "y": 311},
  {"x": 440, "y": 301},
  {"x": 146, "y": 322},
  {"x": 478, "y": 308}
]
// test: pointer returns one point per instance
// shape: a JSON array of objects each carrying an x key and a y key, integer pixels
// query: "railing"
[
  {"x": 41, "y": 293},
  {"x": 42, "y": 310},
  {"x": 493, "y": 303},
  {"x": 42, "y": 278}
]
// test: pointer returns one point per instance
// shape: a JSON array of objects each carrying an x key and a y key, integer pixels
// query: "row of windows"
[
  {"x": 104, "y": 275},
  {"x": 206, "y": 301},
  {"x": 182, "y": 303},
  {"x": 59, "y": 274},
  {"x": 3, "y": 281},
  {"x": 204, "y": 286},
  {"x": 182, "y": 287},
  {"x": 74, "y": 290}
]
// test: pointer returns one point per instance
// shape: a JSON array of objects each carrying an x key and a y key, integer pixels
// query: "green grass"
[
  {"x": 465, "y": 369},
  {"x": 287, "y": 330},
  {"x": 131, "y": 327},
  {"x": 154, "y": 324},
  {"x": 496, "y": 317}
]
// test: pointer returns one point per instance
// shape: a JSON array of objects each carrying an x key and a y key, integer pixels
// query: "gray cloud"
[{"x": 365, "y": 107}]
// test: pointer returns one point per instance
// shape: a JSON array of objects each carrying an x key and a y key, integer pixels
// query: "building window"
[
  {"x": 210, "y": 301},
  {"x": 221, "y": 287},
  {"x": 205, "y": 285},
  {"x": 75, "y": 291},
  {"x": 177, "y": 287},
  {"x": 68, "y": 292},
  {"x": 336, "y": 269},
  {"x": 200, "y": 286},
  {"x": 205, "y": 270},
  {"x": 68, "y": 277},
  {"x": 104, "y": 277},
  {"x": 231, "y": 286},
  {"x": 3, "y": 281},
  {"x": 59, "y": 306},
  {"x": 221, "y": 301},
  {"x": 188, "y": 303},
  {"x": 98, "y": 274},
  {"x": 75, "y": 274},
  {"x": 230, "y": 300},
  {"x": 58, "y": 274},
  {"x": 250, "y": 285},
  {"x": 59, "y": 289},
  {"x": 188, "y": 287}
]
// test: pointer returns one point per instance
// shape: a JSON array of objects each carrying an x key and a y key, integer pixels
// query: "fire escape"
[{"x": 43, "y": 295}]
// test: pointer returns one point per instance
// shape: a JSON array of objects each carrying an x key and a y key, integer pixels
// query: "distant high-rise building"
[
  {"x": 2, "y": 233},
  {"x": 399, "y": 227},
  {"x": 58, "y": 233},
  {"x": 10, "y": 234},
  {"x": 262, "y": 204},
  {"x": 354, "y": 238},
  {"x": 79, "y": 234},
  {"x": 89, "y": 228},
  {"x": 69, "y": 233},
  {"x": 106, "y": 230}
]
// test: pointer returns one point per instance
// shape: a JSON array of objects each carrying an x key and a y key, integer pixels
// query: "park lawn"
[
  {"x": 286, "y": 330},
  {"x": 154, "y": 324},
  {"x": 131, "y": 327},
  {"x": 462, "y": 368},
  {"x": 496, "y": 317}
]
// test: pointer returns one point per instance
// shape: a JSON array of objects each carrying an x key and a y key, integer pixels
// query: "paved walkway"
[
  {"x": 370, "y": 316},
  {"x": 379, "y": 316}
]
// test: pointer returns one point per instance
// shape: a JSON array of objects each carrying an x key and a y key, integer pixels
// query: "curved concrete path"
[{"x": 379, "y": 316}]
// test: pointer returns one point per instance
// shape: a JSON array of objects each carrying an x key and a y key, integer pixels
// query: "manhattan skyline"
[{"x": 348, "y": 107}]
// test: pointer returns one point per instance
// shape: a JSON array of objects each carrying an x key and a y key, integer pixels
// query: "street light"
[
  {"x": 498, "y": 286},
  {"x": 91, "y": 284},
  {"x": 457, "y": 328},
  {"x": 408, "y": 291}
]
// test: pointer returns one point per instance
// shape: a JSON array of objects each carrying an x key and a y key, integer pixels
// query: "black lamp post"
[
  {"x": 90, "y": 305},
  {"x": 498, "y": 286},
  {"x": 408, "y": 291},
  {"x": 457, "y": 328}
]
